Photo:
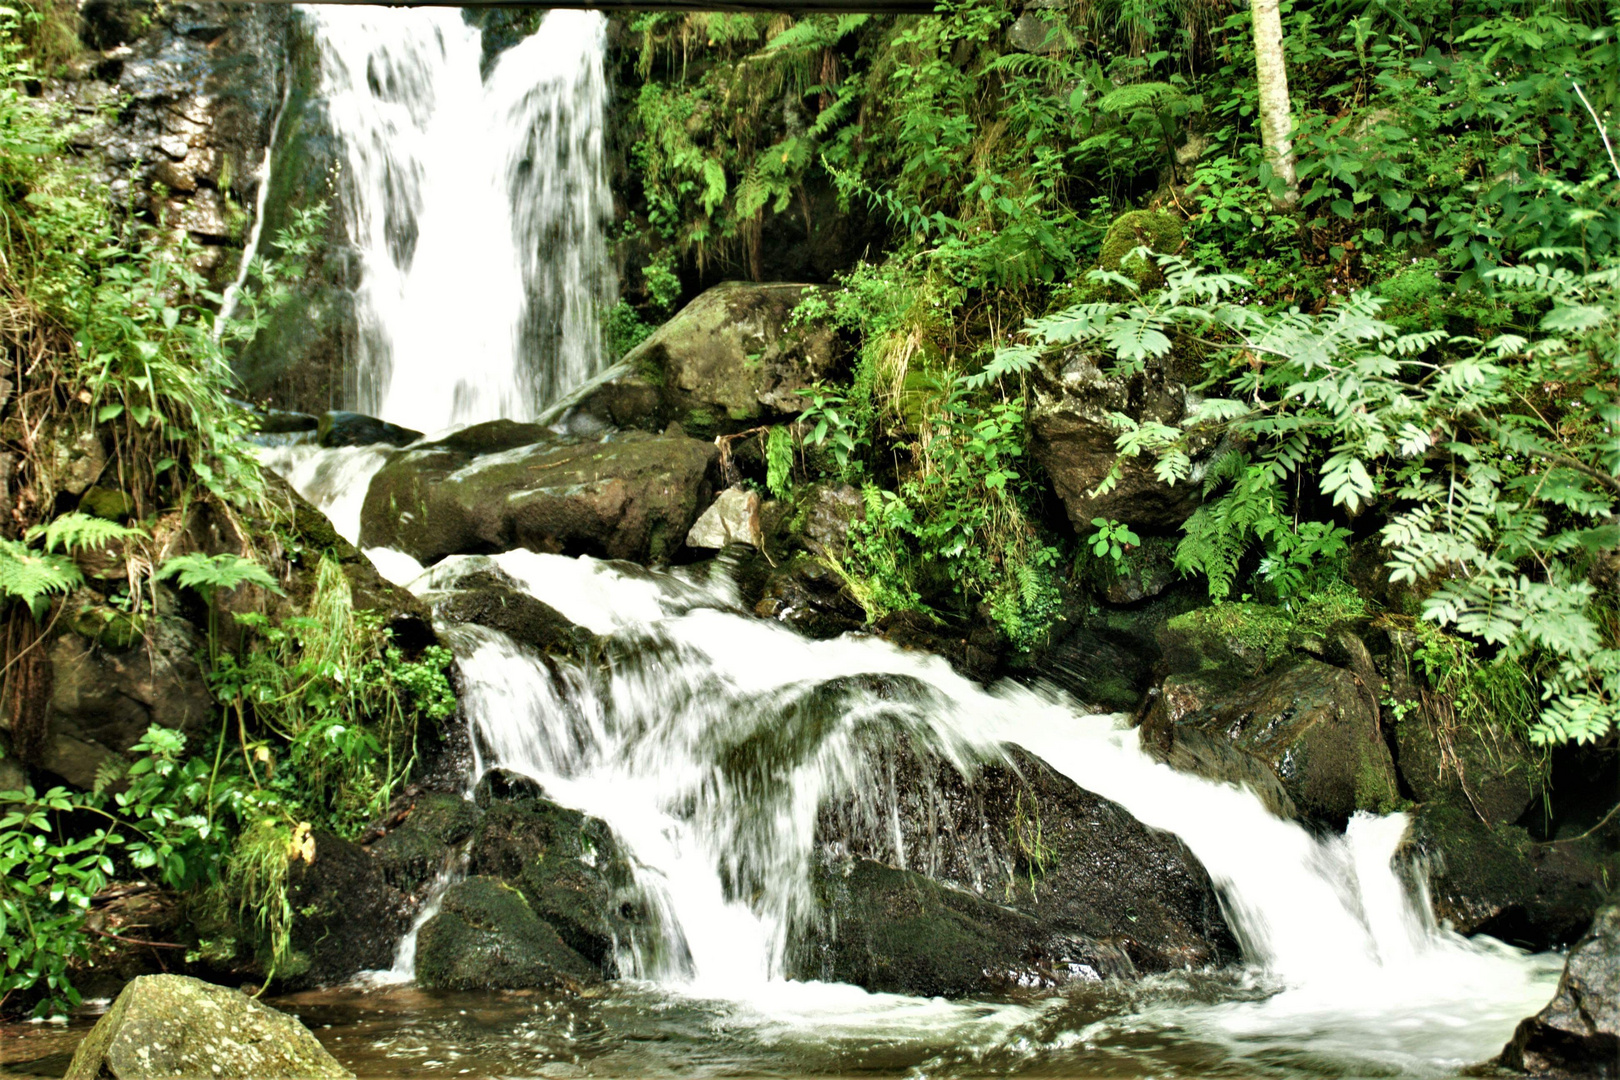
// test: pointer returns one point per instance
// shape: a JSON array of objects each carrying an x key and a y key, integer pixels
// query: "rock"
[
  {"x": 486, "y": 937},
  {"x": 485, "y": 595},
  {"x": 1497, "y": 880},
  {"x": 13, "y": 775},
  {"x": 809, "y": 596},
  {"x": 733, "y": 518},
  {"x": 110, "y": 23},
  {"x": 105, "y": 502},
  {"x": 1021, "y": 836},
  {"x": 1306, "y": 739},
  {"x": 1154, "y": 229},
  {"x": 1149, "y": 570},
  {"x": 1578, "y": 1034},
  {"x": 267, "y": 421},
  {"x": 1490, "y": 772},
  {"x": 1073, "y": 438},
  {"x": 729, "y": 360},
  {"x": 896, "y": 931},
  {"x": 823, "y": 516},
  {"x": 570, "y": 870},
  {"x": 79, "y": 462},
  {"x": 1033, "y": 33},
  {"x": 356, "y": 429},
  {"x": 503, "y": 785},
  {"x": 631, "y": 496},
  {"x": 171, "y": 1025},
  {"x": 348, "y": 919},
  {"x": 411, "y": 853},
  {"x": 103, "y": 699}
]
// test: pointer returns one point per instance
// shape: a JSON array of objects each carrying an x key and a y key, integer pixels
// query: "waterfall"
[{"x": 478, "y": 208}]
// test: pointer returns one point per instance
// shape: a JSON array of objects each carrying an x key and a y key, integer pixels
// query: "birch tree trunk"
[{"x": 1276, "y": 118}]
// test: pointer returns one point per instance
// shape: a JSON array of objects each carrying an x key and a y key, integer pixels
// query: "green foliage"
[
  {"x": 1112, "y": 540},
  {"x": 208, "y": 574},
  {"x": 779, "y": 462},
  {"x": 623, "y": 330}
]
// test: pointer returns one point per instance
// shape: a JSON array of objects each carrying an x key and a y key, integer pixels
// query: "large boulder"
[
  {"x": 897, "y": 931},
  {"x": 1500, "y": 881},
  {"x": 348, "y": 917},
  {"x": 483, "y": 594},
  {"x": 731, "y": 359},
  {"x": 171, "y": 1025},
  {"x": 487, "y": 937},
  {"x": 1578, "y": 1033},
  {"x": 630, "y": 496},
  {"x": 1305, "y": 739},
  {"x": 1020, "y": 835},
  {"x": 569, "y": 868},
  {"x": 1073, "y": 438},
  {"x": 413, "y": 852},
  {"x": 1487, "y": 769}
]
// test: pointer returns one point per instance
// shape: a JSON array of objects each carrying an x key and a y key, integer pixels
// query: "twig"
[
  {"x": 1570, "y": 840},
  {"x": 1603, "y": 132},
  {"x": 135, "y": 941}
]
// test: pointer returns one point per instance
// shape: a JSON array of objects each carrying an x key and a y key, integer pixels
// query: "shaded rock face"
[
  {"x": 338, "y": 428},
  {"x": 1492, "y": 773},
  {"x": 413, "y": 852},
  {"x": 569, "y": 868},
  {"x": 1497, "y": 880},
  {"x": 729, "y": 360},
  {"x": 1306, "y": 739},
  {"x": 1578, "y": 1034},
  {"x": 1082, "y": 887},
  {"x": 487, "y": 596},
  {"x": 486, "y": 937},
  {"x": 349, "y": 917},
  {"x": 171, "y": 1025},
  {"x": 176, "y": 103},
  {"x": 1073, "y": 439},
  {"x": 631, "y": 496}
]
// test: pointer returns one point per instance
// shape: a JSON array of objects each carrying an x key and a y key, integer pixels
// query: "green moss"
[
  {"x": 1375, "y": 786},
  {"x": 1265, "y": 633},
  {"x": 700, "y": 423},
  {"x": 1154, "y": 229},
  {"x": 108, "y": 503},
  {"x": 109, "y": 627}
]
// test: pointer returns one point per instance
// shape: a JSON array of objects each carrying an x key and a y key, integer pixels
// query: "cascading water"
[{"x": 478, "y": 206}]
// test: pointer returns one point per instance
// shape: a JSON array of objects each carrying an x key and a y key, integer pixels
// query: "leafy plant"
[{"x": 1112, "y": 541}]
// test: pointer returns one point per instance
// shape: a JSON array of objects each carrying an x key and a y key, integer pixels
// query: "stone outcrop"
[
  {"x": 733, "y": 518},
  {"x": 171, "y": 1025},
  {"x": 348, "y": 917},
  {"x": 1578, "y": 1033},
  {"x": 495, "y": 487},
  {"x": 482, "y": 594},
  {"x": 487, "y": 937},
  {"x": 729, "y": 360}
]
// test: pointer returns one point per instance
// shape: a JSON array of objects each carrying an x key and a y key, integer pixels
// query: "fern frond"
[
  {"x": 77, "y": 532},
  {"x": 31, "y": 576}
]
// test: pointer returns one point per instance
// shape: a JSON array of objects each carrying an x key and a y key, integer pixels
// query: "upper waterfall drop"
[{"x": 479, "y": 208}]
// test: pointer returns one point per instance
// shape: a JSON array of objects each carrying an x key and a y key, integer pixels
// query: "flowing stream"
[{"x": 480, "y": 204}]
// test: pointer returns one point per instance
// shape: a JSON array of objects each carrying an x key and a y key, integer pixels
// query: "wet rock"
[
  {"x": 1148, "y": 572},
  {"x": 486, "y": 937},
  {"x": 1306, "y": 739},
  {"x": 631, "y": 496},
  {"x": 348, "y": 919},
  {"x": 1497, "y": 880},
  {"x": 733, "y": 518},
  {"x": 896, "y": 931},
  {"x": 729, "y": 360},
  {"x": 569, "y": 868},
  {"x": 808, "y": 595},
  {"x": 487, "y": 596},
  {"x": 171, "y": 1025},
  {"x": 823, "y": 515},
  {"x": 109, "y": 23},
  {"x": 267, "y": 421},
  {"x": 1489, "y": 771},
  {"x": 1578, "y": 1034},
  {"x": 1020, "y": 835},
  {"x": 503, "y": 785},
  {"x": 411, "y": 854},
  {"x": 357, "y": 429},
  {"x": 1073, "y": 439}
]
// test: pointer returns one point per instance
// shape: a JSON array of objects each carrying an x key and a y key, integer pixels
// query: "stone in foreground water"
[{"x": 175, "y": 1026}]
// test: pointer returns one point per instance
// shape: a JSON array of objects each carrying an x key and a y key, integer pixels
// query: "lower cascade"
[{"x": 716, "y": 746}]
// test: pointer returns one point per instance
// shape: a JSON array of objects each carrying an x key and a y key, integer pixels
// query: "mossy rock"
[
  {"x": 109, "y": 627},
  {"x": 172, "y": 1025},
  {"x": 1157, "y": 230},
  {"x": 414, "y": 851},
  {"x": 487, "y": 937},
  {"x": 1491, "y": 772},
  {"x": 108, "y": 503},
  {"x": 487, "y": 596}
]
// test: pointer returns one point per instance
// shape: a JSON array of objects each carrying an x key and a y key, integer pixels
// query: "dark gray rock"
[
  {"x": 486, "y": 596},
  {"x": 348, "y": 918},
  {"x": 414, "y": 851},
  {"x": 1578, "y": 1034},
  {"x": 338, "y": 428},
  {"x": 486, "y": 937}
]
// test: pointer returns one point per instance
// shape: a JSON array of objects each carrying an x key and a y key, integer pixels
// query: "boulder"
[
  {"x": 729, "y": 360},
  {"x": 337, "y": 428},
  {"x": 569, "y": 868},
  {"x": 411, "y": 854},
  {"x": 823, "y": 514},
  {"x": 348, "y": 917},
  {"x": 486, "y": 937},
  {"x": 171, "y": 1025},
  {"x": 1498, "y": 880},
  {"x": 896, "y": 931},
  {"x": 505, "y": 785},
  {"x": 1020, "y": 835},
  {"x": 1157, "y": 230},
  {"x": 1491, "y": 772},
  {"x": 809, "y": 596},
  {"x": 733, "y": 518},
  {"x": 1072, "y": 436},
  {"x": 1578, "y": 1033},
  {"x": 485, "y": 595},
  {"x": 1306, "y": 739},
  {"x": 630, "y": 496}
]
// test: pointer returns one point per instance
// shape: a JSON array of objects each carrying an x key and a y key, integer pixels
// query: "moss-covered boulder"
[
  {"x": 1499, "y": 880},
  {"x": 1578, "y": 1033},
  {"x": 413, "y": 852},
  {"x": 1157, "y": 230},
  {"x": 1487, "y": 769},
  {"x": 808, "y": 595},
  {"x": 480, "y": 592},
  {"x": 897, "y": 931},
  {"x": 174, "y": 1026},
  {"x": 630, "y": 496},
  {"x": 487, "y": 937},
  {"x": 569, "y": 868},
  {"x": 731, "y": 359},
  {"x": 347, "y": 917},
  {"x": 1306, "y": 739}
]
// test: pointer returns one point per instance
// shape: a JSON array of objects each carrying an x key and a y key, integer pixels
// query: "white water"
[{"x": 479, "y": 208}]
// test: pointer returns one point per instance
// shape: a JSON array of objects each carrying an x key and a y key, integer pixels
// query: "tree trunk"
[{"x": 1276, "y": 119}]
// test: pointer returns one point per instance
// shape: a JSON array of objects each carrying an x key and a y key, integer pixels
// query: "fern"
[
  {"x": 33, "y": 577},
  {"x": 779, "y": 462},
  {"x": 78, "y": 532},
  {"x": 209, "y": 573}
]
